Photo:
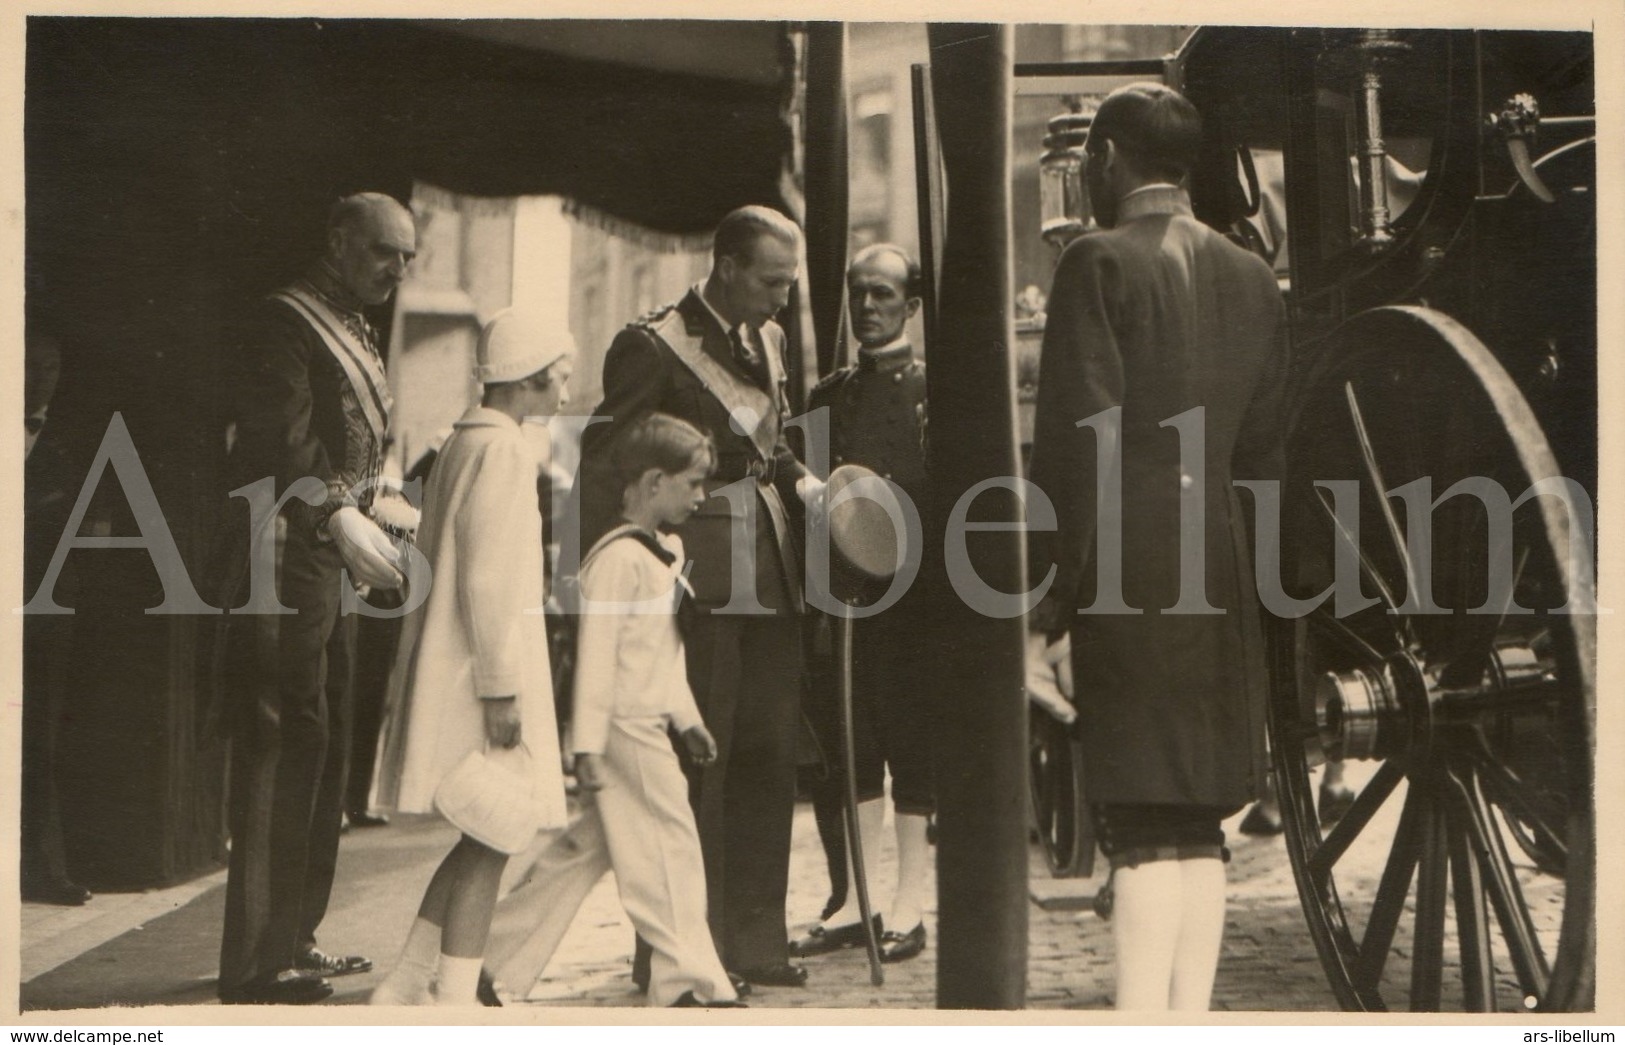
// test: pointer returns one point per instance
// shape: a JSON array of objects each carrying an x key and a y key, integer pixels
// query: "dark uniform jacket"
[
  {"x": 877, "y": 420},
  {"x": 643, "y": 372},
  {"x": 1160, "y": 316}
]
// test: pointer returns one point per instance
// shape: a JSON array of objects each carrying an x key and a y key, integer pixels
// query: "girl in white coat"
[{"x": 474, "y": 655}]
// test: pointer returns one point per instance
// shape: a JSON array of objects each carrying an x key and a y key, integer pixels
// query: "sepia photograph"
[{"x": 538, "y": 514}]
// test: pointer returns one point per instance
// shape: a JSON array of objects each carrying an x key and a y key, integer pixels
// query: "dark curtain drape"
[{"x": 177, "y": 169}]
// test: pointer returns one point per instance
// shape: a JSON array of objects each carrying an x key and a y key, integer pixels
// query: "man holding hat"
[
  {"x": 474, "y": 657},
  {"x": 312, "y": 401},
  {"x": 715, "y": 359}
]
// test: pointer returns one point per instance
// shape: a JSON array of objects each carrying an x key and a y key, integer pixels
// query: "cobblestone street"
[{"x": 161, "y": 947}]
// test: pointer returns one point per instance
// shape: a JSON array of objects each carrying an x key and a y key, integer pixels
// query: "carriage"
[{"x": 1425, "y": 198}]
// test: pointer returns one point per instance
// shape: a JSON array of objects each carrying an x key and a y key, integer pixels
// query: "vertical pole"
[
  {"x": 826, "y": 165},
  {"x": 982, "y": 727}
]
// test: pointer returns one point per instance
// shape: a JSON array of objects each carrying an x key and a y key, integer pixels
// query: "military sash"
[
  {"x": 749, "y": 406},
  {"x": 755, "y": 413},
  {"x": 355, "y": 357}
]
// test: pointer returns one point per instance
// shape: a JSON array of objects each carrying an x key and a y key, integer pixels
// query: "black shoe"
[
  {"x": 362, "y": 818},
  {"x": 58, "y": 893},
  {"x": 1259, "y": 821},
  {"x": 740, "y": 985},
  {"x": 486, "y": 991},
  {"x": 320, "y": 963},
  {"x": 686, "y": 1000},
  {"x": 785, "y": 975},
  {"x": 289, "y": 987},
  {"x": 1334, "y": 802},
  {"x": 822, "y": 941},
  {"x": 900, "y": 947}
]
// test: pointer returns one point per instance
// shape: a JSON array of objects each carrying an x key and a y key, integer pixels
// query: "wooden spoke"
[
  {"x": 1373, "y": 472},
  {"x": 1391, "y": 892},
  {"x": 1506, "y": 897},
  {"x": 1366, "y": 804},
  {"x": 1367, "y": 567},
  {"x": 1432, "y": 897},
  {"x": 1472, "y": 918}
]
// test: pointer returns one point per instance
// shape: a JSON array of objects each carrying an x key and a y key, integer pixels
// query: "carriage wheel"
[
  {"x": 1055, "y": 781},
  {"x": 1463, "y": 875}
]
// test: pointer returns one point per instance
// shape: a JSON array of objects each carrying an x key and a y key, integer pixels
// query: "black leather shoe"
[
  {"x": 320, "y": 963},
  {"x": 1334, "y": 802},
  {"x": 740, "y": 985},
  {"x": 785, "y": 975},
  {"x": 822, "y": 941},
  {"x": 687, "y": 1001},
  {"x": 362, "y": 818},
  {"x": 1261, "y": 822},
  {"x": 289, "y": 987},
  {"x": 900, "y": 947},
  {"x": 60, "y": 893},
  {"x": 486, "y": 991}
]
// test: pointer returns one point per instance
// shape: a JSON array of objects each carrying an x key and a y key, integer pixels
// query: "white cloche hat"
[{"x": 515, "y": 345}]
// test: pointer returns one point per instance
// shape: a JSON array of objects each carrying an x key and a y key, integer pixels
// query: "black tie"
[{"x": 744, "y": 354}]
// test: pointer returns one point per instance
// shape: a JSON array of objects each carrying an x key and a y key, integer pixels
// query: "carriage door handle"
[{"x": 1517, "y": 122}]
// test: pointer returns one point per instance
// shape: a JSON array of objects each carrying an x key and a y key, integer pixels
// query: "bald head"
[{"x": 371, "y": 239}]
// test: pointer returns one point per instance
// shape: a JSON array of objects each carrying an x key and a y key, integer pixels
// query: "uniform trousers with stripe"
[{"x": 640, "y": 825}]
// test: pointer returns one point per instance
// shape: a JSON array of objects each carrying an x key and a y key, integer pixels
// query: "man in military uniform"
[
  {"x": 715, "y": 359},
  {"x": 877, "y": 419}
]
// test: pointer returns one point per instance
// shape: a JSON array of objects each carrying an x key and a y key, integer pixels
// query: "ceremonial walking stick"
[{"x": 854, "y": 836}]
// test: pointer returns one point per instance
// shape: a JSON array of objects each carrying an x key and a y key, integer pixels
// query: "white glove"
[
  {"x": 368, "y": 552},
  {"x": 1049, "y": 676},
  {"x": 811, "y": 489}
]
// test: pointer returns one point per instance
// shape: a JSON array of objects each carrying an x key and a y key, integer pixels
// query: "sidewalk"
[{"x": 162, "y": 947}]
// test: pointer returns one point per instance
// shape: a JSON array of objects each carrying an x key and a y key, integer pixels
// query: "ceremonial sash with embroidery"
[{"x": 358, "y": 361}]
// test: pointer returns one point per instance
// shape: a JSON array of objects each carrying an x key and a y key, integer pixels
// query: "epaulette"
[
  {"x": 654, "y": 317},
  {"x": 833, "y": 380}
]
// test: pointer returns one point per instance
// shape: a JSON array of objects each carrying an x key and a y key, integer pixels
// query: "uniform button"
[
  {"x": 839, "y": 459},
  {"x": 1185, "y": 481},
  {"x": 887, "y": 475},
  {"x": 897, "y": 377}
]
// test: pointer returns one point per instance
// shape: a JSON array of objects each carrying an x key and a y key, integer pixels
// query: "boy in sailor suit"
[{"x": 631, "y": 686}]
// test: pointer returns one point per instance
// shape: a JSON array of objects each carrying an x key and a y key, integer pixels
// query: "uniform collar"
[
  {"x": 699, "y": 292},
  {"x": 893, "y": 355},
  {"x": 324, "y": 279},
  {"x": 485, "y": 417},
  {"x": 1157, "y": 198}
]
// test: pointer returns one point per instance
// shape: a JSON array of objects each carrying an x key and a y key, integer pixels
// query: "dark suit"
[
  {"x": 745, "y": 669},
  {"x": 1158, "y": 316}
]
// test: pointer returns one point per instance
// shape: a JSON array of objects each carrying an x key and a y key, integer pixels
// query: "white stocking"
[
  {"x": 408, "y": 982},
  {"x": 872, "y": 829},
  {"x": 1201, "y": 931},
  {"x": 913, "y": 857},
  {"x": 1145, "y": 928}
]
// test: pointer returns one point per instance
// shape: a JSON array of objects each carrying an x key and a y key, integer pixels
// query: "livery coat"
[{"x": 1155, "y": 318}]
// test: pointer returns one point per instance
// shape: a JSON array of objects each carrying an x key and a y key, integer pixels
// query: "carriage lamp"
[{"x": 1063, "y": 198}]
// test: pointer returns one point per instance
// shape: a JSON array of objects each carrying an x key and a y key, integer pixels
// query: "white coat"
[{"x": 480, "y": 633}]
